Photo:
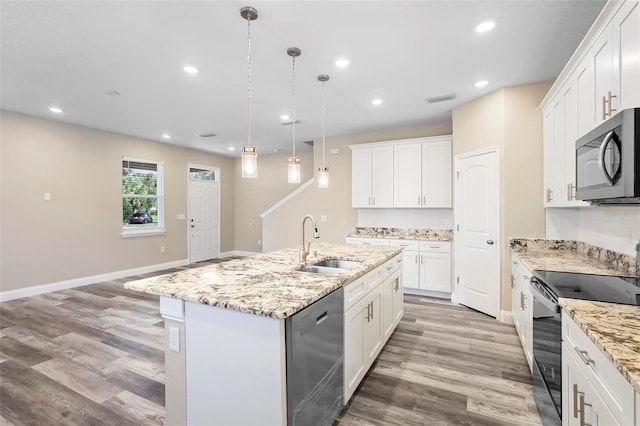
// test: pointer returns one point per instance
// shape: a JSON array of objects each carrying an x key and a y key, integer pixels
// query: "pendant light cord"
[
  {"x": 294, "y": 107},
  {"x": 323, "y": 125},
  {"x": 249, "y": 81}
]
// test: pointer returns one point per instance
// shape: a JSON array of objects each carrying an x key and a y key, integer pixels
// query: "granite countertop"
[
  {"x": 268, "y": 284},
  {"x": 404, "y": 233},
  {"x": 613, "y": 328},
  {"x": 571, "y": 256}
]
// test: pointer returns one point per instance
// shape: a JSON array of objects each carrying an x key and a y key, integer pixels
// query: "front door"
[
  {"x": 477, "y": 249},
  {"x": 203, "y": 219}
]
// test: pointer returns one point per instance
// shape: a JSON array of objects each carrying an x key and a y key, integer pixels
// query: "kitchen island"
[{"x": 226, "y": 349}]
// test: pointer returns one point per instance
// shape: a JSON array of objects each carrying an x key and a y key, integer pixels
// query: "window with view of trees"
[{"x": 142, "y": 195}]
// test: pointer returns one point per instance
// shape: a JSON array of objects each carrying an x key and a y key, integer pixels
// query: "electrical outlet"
[
  {"x": 161, "y": 249},
  {"x": 323, "y": 218},
  {"x": 47, "y": 196},
  {"x": 181, "y": 216},
  {"x": 259, "y": 242},
  {"x": 174, "y": 339}
]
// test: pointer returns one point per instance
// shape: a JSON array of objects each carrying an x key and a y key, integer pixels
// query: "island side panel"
[
  {"x": 172, "y": 311},
  {"x": 235, "y": 367}
]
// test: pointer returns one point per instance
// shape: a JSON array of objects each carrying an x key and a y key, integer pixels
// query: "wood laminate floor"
[{"x": 93, "y": 355}]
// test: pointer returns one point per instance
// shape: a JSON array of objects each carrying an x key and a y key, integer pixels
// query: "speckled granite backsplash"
[
  {"x": 620, "y": 261},
  {"x": 440, "y": 234}
]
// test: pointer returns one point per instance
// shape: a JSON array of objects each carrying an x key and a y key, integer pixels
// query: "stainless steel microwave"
[{"x": 608, "y": 161}]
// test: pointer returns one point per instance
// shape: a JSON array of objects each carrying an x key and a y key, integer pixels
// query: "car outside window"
[{"x": 142, "y": 197}]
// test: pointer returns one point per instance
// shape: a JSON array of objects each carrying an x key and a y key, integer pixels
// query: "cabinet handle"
[
  {"x": 390, "y": 267},
  {"x": 604, "y": 108},
  {"x": 584, "y": 356},
  {"x": 611, "y": 97},
  {"x": 374, "y": 200},
  {"x": 368, "y": 312},
  {"x": 575, "y": 401},
  {"x": 371, "y": 310},
  {"x": 369, "y": 201},
  {"x": 572, "y": 191},
  {"x": 521, "y": 301},
  {"x": 582, "y": 404},
  {"x": 397, "y": 284},
  {"x": 416, "y": 259},
  {"x": 568, "y": 192},
  {"x": 434, "y": 247},
  {"x": 424, "y": 200},
  {"x": 513, "y": 282},
  {"x": 421, "y": 260},
  {"x": 549, "y": 195}
]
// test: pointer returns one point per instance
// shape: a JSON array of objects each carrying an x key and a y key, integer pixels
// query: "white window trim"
[{"x": 128, "y": 232}]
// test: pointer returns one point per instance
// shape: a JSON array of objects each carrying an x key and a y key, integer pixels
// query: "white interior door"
[
  {"x": 203, "y": 220},
  {"x": 477, "y": 250}
]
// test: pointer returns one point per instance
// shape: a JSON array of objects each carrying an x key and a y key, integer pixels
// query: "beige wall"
[
  {"x": 510, "y": 120},
  {"x": 282, "y": 228},
  {"x": 77, "y": 233},
  {"x": 254, "y": 196}
]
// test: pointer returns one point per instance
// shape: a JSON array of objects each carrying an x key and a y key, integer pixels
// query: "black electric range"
[{"x": 547, "y": 287}]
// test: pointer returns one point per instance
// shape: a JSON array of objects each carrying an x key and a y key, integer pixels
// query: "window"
[
  {"x": 142, "y": 197},
  {"x": 196, "y": 173}
]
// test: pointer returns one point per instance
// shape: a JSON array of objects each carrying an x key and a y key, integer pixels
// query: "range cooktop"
[{"x": 602, "y": 288}]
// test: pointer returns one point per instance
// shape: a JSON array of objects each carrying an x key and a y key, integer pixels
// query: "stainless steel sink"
[
  {"x": 338, "y": 263},
  {"x": 322, "y": 270}
]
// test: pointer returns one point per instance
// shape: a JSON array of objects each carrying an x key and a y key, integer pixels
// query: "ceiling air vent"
[
  {"x": 206, "y": 135},
  {"x": 289, "y": 123},
  {"x": 442, "y": 98}
]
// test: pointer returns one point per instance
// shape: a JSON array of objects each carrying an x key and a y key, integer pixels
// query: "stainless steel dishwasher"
[{"x": 315, "y": 358}]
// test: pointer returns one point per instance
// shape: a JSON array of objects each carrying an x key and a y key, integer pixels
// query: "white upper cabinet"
[
  {"x": 372, "y": 177},
  {"x": 420, "y": 175},
  {"x": 601, "y": 79},
  {"x": 626, "y": 36}
]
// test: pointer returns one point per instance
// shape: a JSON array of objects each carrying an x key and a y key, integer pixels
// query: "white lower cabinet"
[
  {"x": 593, "y": 390},
  {"x": 373, "y": 309},
  {"x": 426, "y": 265},
  {"x": 521, "y": 306}
]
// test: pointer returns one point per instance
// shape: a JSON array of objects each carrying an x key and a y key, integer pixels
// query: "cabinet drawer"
[
  {"x": 389, "y": 267},
  {"x": 616, "y": 392},
  {"x": 407, "y": 244},
  {"x": 438, "y": 246},
  {"x": 367, "y": 241},
  {"x": 359, "y": 288}
]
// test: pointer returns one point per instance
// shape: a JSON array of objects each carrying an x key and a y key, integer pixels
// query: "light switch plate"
[
  {"x": 181, "y": 216},
  {"x": 323, "y": 218},
  {"x": 174, "y": 339}
]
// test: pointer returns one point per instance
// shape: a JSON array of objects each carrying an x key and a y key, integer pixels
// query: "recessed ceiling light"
[
  {"x": 481, "y": 83},
  {"x": 56, "y": 110},
  {"x": 112, "y": 92},
  {"x": 166, "y": 135},
  {"x": 190, "y": 69},
  {"x": 342, "y": 62},
  {"x": 284, "y": 117},
  {"x": 231, "y": 148},
  {"x": 376, "y": 101},
  {"x": 485, "y": 26}
]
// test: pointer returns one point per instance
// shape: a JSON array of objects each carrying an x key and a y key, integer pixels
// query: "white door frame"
[
  {"x": 217, "y": 179},
  {"x": 498, "y": 238}
]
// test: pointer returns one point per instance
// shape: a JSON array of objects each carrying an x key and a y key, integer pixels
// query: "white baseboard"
[
  {"x": 93, "y": 279},
  {"x": 506, "y": 317},
  {"x": 239, "y": 253}
]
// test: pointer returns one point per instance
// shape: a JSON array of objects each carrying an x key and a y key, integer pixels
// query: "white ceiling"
[{"x": 70, "y": 53}]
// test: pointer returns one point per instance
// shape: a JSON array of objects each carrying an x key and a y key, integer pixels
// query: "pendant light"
[
  {"x": 249, "y": 151},
  {"x": 323, "y": 172},
  {"x": 293, "y": 162}
]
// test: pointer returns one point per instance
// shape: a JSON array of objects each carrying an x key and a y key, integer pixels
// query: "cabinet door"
[
  {"x": 515, "y": 299},
  {"x": 407, "y": 189},
  {"x": 573, "y": 386},
  {"x": 386, "y": 313},
  {"x": 585, "y": 98},
  {"x": 435, "y": 271},
  {"x": 549, "y": 156},
  {"x": 354, "y": 355},
  {"x": 398, "y": 300},
  {"x": 382, "y": 177},
  {"x": 603, "y": 70},
  {"x": 527, "y": 321},
  {"x": 436, "y": 174},
  {"x": 559, "y": 194},
  {"x": 372, "y": 326},
  {"x": 626, "y": 38},
  {"x": 361, "y": 177},
  {"x": 411, "y": 269}
]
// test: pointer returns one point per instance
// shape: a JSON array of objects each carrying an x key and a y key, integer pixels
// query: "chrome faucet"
[{"x": 304, "y": 250}]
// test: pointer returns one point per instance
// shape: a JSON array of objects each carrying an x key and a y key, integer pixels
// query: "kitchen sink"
[
  {"x": 338, "y": 263},
  {"x": 322, "y": 270}
]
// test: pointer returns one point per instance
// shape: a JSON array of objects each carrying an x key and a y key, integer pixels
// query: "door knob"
[{"x": 490, "y": 242}]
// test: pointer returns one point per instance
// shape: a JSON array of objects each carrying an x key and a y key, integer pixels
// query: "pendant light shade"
[
  {"x": 293, "y": 162},
  {"x": 249, "y": 162},
  {"x": 249, "y": 151},
  {"x": 323, "y": 172}
]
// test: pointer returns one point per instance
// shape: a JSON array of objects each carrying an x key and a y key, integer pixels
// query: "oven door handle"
[{"x": 603, "y": 150}]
